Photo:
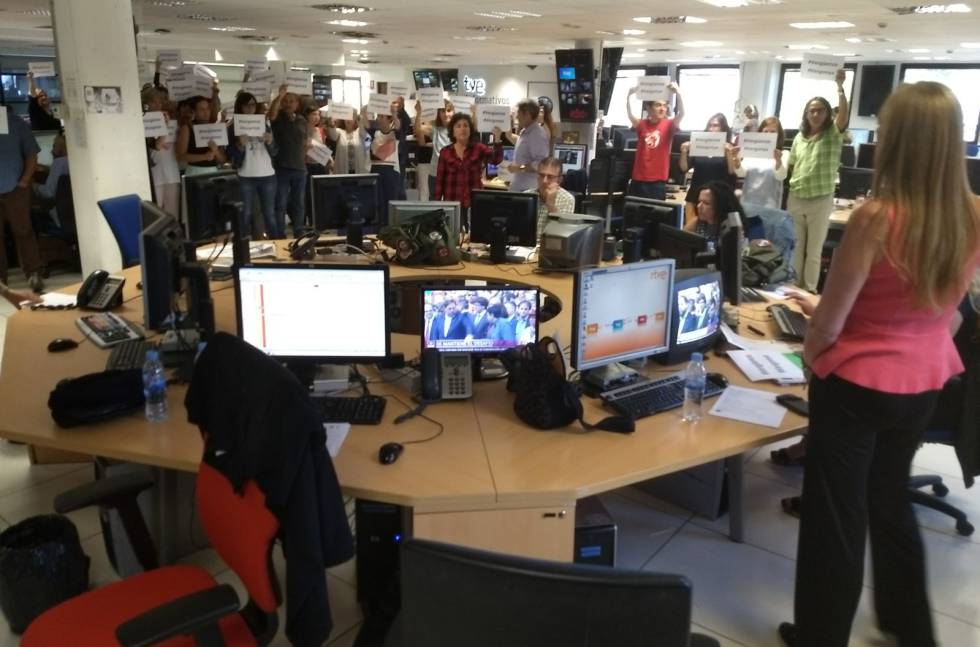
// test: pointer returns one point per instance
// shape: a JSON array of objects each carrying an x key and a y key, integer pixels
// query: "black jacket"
[
  {"x": 967, "y": 434},
  {"x": 258, "y": 423}
]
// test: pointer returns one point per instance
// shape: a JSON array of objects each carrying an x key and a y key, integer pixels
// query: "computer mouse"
[
  {"x": 389, "y": 453},
  {"x": 718, "y": 379},
  {"x": 60, "y": 344}
]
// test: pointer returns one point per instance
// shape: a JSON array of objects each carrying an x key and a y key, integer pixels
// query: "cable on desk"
[{"x": 417, "y": 412}]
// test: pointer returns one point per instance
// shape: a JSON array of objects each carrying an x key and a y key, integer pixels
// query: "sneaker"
[{"x": 35, "y": 283}]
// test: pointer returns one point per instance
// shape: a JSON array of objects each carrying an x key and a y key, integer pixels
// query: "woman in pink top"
[{"x": 880, "y": 348}]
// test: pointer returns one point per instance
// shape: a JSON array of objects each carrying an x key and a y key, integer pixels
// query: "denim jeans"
[
  {"x": 263, "y": 188},
  {"x": 291, "y": 192}
]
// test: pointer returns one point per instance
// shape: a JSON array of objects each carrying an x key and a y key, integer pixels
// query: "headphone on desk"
[{"x": 304, "y": 247}]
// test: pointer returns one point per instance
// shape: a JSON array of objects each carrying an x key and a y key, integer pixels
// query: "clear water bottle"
[
  {"x": 154, "y": 387},
  {"x": 694, "y": 383}
]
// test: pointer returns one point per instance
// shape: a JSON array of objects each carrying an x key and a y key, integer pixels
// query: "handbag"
[
  {"x": 544, "y": 398},
  {"x": 96, "y": 397},
  {"x": 424, "y": 240}
]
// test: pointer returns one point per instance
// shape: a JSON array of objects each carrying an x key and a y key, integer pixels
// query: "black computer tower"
[
  {"x": 595, "y": 534},
  {"x": 379, "y": 528}
]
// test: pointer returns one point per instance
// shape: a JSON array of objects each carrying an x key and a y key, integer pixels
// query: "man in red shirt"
[{"x": 654, "y": 135}]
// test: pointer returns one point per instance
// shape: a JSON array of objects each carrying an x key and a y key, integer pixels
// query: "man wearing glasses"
[{"x": 551, "y": 197}]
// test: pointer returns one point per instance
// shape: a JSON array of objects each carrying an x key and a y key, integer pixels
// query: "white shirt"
[
  {"x": 446, "y": 322},
  {"x": 165, "y": 169},
  {"x": 345, "y": 142},
  {"x": 257, "y": 162},
  {"x": 763, "y": 184}
]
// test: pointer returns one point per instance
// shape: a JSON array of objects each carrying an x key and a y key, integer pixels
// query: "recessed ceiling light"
[
  {"x": 173, "y": 3},
  {"x": 504, "y": 15},
  {"x": 645, "y": 19},
  {"x": 701, "y": 43},
  {"x": 932, "y": 8},
  {"x": 356, "y": 41},
  {"x": 258, "y": 38},
  {"x": 970, "y": 45},
  {"x": 232, "y": 28},
  {"x": 852, "y": 39},
  {"x": 342, "y": 8},
  {"x": 344, "y": 22},
  {"x": 472, "y": 37},
  {"x": 845, "y": 54},
  {"x": 804, "y": 48},
  {"x": 606, "y": 33},
  {"x": 822, "y": 24},
  {"x": 918, "y": 50},
  {"x": 489, "y": 28},
  {"x": 200, "y": 17},
  {"x": 726, "y": 4},
  {"x": 632, "y": 55},
  {"x": 694, "y": 20},
  {"x": 633, "y": 32}
]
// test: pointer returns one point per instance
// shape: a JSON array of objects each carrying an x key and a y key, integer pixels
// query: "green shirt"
[{"x": 815, "y": 161}]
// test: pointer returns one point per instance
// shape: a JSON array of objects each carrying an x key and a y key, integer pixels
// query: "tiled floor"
[{"x": 741, "y": 591}]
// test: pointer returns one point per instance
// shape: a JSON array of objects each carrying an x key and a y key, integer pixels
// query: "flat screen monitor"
[
  {"x": 973, "y": 173},
  {"x": 789, "y": 134},
  {"x": 679, "y": 138},
  {"x": 648, "y": 215},
  {"x": 314, "y": 313},
  {"x": 161, "y": 244},
  {"x": 866, "y": 156},
  {"x": 450, "y": 81},
  {"x": 696, "y": 312},
  {"x": 676, "y": 175},
  {"x": 731, "y": 244},
  {"x": 502, "y": 218},
  {"x": 576, "y": 84},
  {"x": 402, "y": 211},
  {"x": 426, "y": 79},
  {"x": 204, "y": 196},
  {"x": 571, "y": 156},
  {"x": 621, "y": 312},
  {"x": 854, "y": 182},
  {"x": 482, "y": 320},
  {"x": 682, "y": 246},
  {"x": 508, "y": 157},
  {"x": 338, "y": 198}
]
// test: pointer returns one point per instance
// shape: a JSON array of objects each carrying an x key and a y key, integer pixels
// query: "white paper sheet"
[
  {"x": 203, "y": 133},
  {"x": 319, "y": 152},
  {"x": 336, "y": 434},
  {"x": 41, "y": 69},
  {"x": 757, "y": 145},
  {"x": 4, "y": 124},
  {"x": 820, "y": 66},
  {"x": 340, "y": 111},
  {"x": 707, "y": 144},
  {"x": 767, "y": 365},
  {"x": 155, "y": 124},
  {"x": 299, "y": 82},
  {"x": 765, "y": 345},
  {"x": 53, "y": 299},
  {"x": 261, "y": 90},
  {"x": 249, "y": 125},
  {"x": 398, "y": 89},
  {"x": 254, "y": 65},
  {"x": 169, "y": 59},
  {"x": 653, "y": 88},
  {"x": 431, "y": 100},
  {"x": 749, "y": 405},
  {"x": 489, "y": 116},
  {"x": 462, "y": 102},
  {"x": 379, "y": 104}
]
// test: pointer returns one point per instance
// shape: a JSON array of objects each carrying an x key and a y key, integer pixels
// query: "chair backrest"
[
  {"x": 123, "y": 215},
  {"x": 779, "y": 230},
  {"x": 848, "y": 156},
  {"x": 461, "y": 596},
  {"x": 64, "y": 206}
]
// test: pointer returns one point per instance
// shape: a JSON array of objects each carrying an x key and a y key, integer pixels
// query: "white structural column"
[{"x": 96, "y": 49}]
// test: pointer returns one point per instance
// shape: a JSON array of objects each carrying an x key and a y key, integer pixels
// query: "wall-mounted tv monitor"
[
  {"x": 427, "y": 79},
  {"x": 576, "y": 85}
]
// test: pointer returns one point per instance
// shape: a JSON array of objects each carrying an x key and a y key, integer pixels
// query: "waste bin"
[{"x": 41, "y": 565}]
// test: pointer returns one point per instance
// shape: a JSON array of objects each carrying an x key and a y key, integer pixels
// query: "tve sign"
[{"x": 474, "y": 86}]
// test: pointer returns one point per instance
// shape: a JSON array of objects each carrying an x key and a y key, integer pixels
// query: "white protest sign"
[
  {"x": 706, "y": 144},
  {"x": 820, "y": 66},
  {"x": 379, "y": 104},
  {"x": 462, "y": 102},
  {"x": 263, "y": 77},
  {"x": 155, "y": 124},
  {"x": 261, "y": 89},
  {"x": 180, "y": 90},
  {"x": 299, "y": 82},
  {"x": 249, "y": 125},
  {"x": 757, "y": 145},
  {"x": 4, "y": 125},
  {"x": 256, "y": 65},
  {"x": 653, "y": 88},
  {"x": 203, "y": 86},
  {"x": 342, "y": 111},
  {"x": 204, "y": 133},
  {"x": 431, "y": 100},
  {"x": 489, "y": 116},
  {"x": 319, "y": 152},
  {"x": 169, "y": 59},
  {"x": 398, "y": 89},
  {"x": 41, "y": 69},
  {"x": 205, "y": 71}
]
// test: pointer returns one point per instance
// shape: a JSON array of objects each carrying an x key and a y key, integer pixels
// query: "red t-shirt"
[{"x": 652, "y": 162}]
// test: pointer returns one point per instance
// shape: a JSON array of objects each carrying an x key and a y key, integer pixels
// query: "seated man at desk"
[{"x": 551, "y": 197}]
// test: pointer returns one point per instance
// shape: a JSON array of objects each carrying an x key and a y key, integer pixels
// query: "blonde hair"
[{"x": 920, "y": 172}]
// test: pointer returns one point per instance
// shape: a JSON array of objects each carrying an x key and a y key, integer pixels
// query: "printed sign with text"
[
  {"x": 256, "y": 65},
  {"x": 319, "y": 152},
  {"x": 204, "y": 133},
  {"x": 342, "y": 111},
  {"x": 155, "y": 125},
  {"x": 653, "y": 88},
  {"x": 757, "y": 145},
  {"x": 379, "y": 104},
  {"x": 820, "y": 66},
  {"x": 705, "y": 144},
  {"x": 261, "y": 89},
  {"x": 299, "y": 82},
  {"x": 41, "y": 69},
  {"x": 398, "y": 89},
  {"x": 249, "y": 125},
  {"x": 180, "y": 90},
  {"x": 431, "y": 100},
  {"x": 490, "y": 116},
  {"x": 170, "y": 59},
  {"x": 462, "y": 102}
]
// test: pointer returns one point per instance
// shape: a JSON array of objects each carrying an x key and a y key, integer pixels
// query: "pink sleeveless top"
[{"x": 890, "y": 345}]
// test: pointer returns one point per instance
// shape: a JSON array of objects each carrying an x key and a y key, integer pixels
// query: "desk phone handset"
[
  {"x": 446, "y": 376},
  {"x": 100, "y": 291}
]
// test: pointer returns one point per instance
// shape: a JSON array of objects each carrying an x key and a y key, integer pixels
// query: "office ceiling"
[{"x": 448, "y": 33}]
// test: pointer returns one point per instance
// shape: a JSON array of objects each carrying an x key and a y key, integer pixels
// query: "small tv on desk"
[
  {"x": 695, "y": 314},
  {"x": 502, "y": 218},
  {"x": 341, "y": 200},
  {"x": 482, "y": 320}
]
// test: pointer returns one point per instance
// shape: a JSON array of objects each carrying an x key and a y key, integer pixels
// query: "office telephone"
[
  {"x": 446, "y": 376},
  {"x": 101, "y": 291}
]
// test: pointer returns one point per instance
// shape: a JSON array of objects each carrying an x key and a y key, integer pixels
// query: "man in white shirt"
[{"x": 551, "y": 197}]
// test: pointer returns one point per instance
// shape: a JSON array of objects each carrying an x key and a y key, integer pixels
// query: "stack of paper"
[
  {"x": 749, "y": 405},
  {"x": 767, "y": 365}
]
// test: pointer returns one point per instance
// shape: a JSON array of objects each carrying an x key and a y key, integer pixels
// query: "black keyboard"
[
  {"x": 360, "y": 410},
  {"x": 792, "y": 324},
  {"x": 647, "y": 398},
  {"x": 128, "y": 355}
]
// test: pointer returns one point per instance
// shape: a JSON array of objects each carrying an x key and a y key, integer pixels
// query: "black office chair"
[
  {"x": 462, "y": 596},
  {"x": 848, "y": 156}
]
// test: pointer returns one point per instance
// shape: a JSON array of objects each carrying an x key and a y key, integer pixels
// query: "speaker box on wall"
[{"x": 877, "y": 82}]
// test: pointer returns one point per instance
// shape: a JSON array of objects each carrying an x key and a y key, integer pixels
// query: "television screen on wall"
[{"x": 576, "y": 85}]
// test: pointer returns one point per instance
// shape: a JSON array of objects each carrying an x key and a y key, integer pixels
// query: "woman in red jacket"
[{"x": 460, "y": 168}]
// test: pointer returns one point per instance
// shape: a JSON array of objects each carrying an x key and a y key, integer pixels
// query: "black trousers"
[
  {"x": 653, "y": 190},
  {"x": 859, "y": 454}
]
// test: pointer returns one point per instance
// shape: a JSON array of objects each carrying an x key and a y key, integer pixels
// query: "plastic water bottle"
[
  {"x": 154, "y": 387},
  {"x": 694, "y": 383}
]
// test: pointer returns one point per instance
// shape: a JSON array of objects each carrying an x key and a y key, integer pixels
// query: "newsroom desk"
[{"x": 488, "y": 481}]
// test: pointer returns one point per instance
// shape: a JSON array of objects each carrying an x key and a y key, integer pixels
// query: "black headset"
[{"x": 304, "y": 247}]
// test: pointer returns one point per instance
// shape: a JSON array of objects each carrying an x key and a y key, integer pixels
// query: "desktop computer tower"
[
  {"x": 378, "y": 530},
  {"x": 595, "y": 534}
]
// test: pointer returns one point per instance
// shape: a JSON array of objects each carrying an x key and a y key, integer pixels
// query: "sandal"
[
  {"x": 791, "y": 506},
  {"x": 783, "y": 457}
]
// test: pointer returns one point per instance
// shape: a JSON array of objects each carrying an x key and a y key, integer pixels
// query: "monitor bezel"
[
  {"x": 685, "y": 279},
  {"x": 292, "y": 267},
  {"x": 583, "y": 148}
]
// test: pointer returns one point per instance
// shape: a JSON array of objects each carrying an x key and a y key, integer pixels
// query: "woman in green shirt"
[{"x": 813, "y": 162}]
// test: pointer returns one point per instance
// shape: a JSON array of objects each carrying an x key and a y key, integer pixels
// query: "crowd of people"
[{"x": 504, "y": 317}]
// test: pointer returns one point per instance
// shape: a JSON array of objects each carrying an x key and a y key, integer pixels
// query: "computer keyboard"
[
  {"x": 128, "y": 355},
  {"x": 648, "y": 398},
  {"x": 105, "y": 329},
  {"x": 792, "y": 324},
  {"x": 359, "y": 410}
]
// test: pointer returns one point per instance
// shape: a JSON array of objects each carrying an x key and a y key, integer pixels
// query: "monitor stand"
[
  {"x": 488, "y": 368},
  {"x": 610, "y": 376}
]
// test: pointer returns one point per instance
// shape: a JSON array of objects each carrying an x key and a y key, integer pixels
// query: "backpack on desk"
[
  {"x": 424, "y": 240},
  {"x": 762, "y": 265}
]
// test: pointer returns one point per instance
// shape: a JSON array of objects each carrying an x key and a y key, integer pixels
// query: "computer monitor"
[
  {"x": 682, "y": 246},
  {"x": 866, "y": 155},
  {"x": 854, "y": 182},
  {"x": 675, "y": 174},
  {"x": 695, "y": 313},
  {"x": 161, "y": 244},
  {"x": 314, "y": 314},
  {"x": 485, "y": 320},
  {"x": 342, "y": 199},
  {"x": 427, "y": 79},
  {"x": 402, "y": 211},
  {"x": 679, "y": 138},
  {"x": 571, "y": 156},
  {"x": 620, "y": 313},
  {"x": 624, "y": 138},
  {"x": 973, "y": 173},
  {"x": 731, "y": 244},
  {"x": 508, "y": 158},
  {"x": 502, "y": 218},
  {"x": 204, "y": 197},
  {"x": 641, "y": 217},
  {"x": 789, "y": 134},
  {"x": 571, "y": 241}
]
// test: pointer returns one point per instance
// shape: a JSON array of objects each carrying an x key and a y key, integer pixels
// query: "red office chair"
[{"x": 181, "y": 606}]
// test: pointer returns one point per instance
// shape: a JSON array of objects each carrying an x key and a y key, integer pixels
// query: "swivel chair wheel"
[
  {"x": 940, "y": 490},
  {"x": 964, "y": 528}
]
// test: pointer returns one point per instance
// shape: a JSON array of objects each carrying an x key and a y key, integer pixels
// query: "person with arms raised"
[
  {"x": 654, "y": 134},
  {"x": 199, "y": 159},
  {"x": 39, "y": 107},
  {"x": 289, "y": 133}
]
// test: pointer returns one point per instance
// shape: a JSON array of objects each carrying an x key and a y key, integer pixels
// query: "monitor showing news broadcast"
[
  {"x": 487, "y": 319},
  {"x": 698, "y": 311}
]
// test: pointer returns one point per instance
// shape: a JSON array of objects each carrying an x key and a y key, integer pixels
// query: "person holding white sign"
[
  {"x": 431, "y": 137},
  {"x": 385, "y": 161},
  {"x": 348, "y": 137},
  {"x": 200, "y": 157},
  {"x": 655, "y": 133},
  {"x": 252, "y": 157},
  {"x": 763, "y": 176},
  {"x": 164, "y": 170},
  {"x": 316, "y": 134},
  {"x": 39, "y": 107},
  {"x": 289, "y": 132},
  {"x": 460, "y": 166},
  {"x": 813, "y": 162},
  {"x": 707, "y": 169}
]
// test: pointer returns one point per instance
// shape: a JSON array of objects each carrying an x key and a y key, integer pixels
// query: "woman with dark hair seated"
[{"x": 715, "y": 200}]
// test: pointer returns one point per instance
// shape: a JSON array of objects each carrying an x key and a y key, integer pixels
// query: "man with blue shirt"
[
  {"x": 18, "y": 159},
  {"x": 533, "y": 145}
]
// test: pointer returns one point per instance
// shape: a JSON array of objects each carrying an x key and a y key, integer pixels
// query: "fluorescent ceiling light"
[
  {"x": 799, "y": 47},
  {"x": 919, "y": 50},
  {"x": 702, "y": 43},
  {"x": 503, "y": 15},
  {"x": 852, "y": 39},
  {"x": 823, "y": 24},
  {"x": 726, "y": 4},
  {"x": 356, "y": 41},
  {"x": 346, "y": 23},
  {"x": 646, "y": 19},
  {"x": 844, "y": 54},
  {"x": 694, "y": 20},
  {"x": 670, "y": 20},
  {"x": 231, "y": 28},
  {"x": 633, "y": 32},
  {"x": 943, "y": 8},
  {"x": 970, "y": 45}
]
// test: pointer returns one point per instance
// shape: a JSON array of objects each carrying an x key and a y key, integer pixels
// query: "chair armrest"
[
  {"x": 108, "y": 491},
  {"x": 195, "y": 614}
]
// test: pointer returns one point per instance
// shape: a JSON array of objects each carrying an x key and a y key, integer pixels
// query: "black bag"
[
  {"x": 41, "y": 565},
  {"x": 544, "y": 398},
  {"x": 762, "y": 265},
  {"x": 96, "y": 396},
  {"x": 424, "y": 240}
]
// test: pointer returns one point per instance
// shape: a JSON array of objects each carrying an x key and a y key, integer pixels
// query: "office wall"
[{"x": 507, "y": 83}]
